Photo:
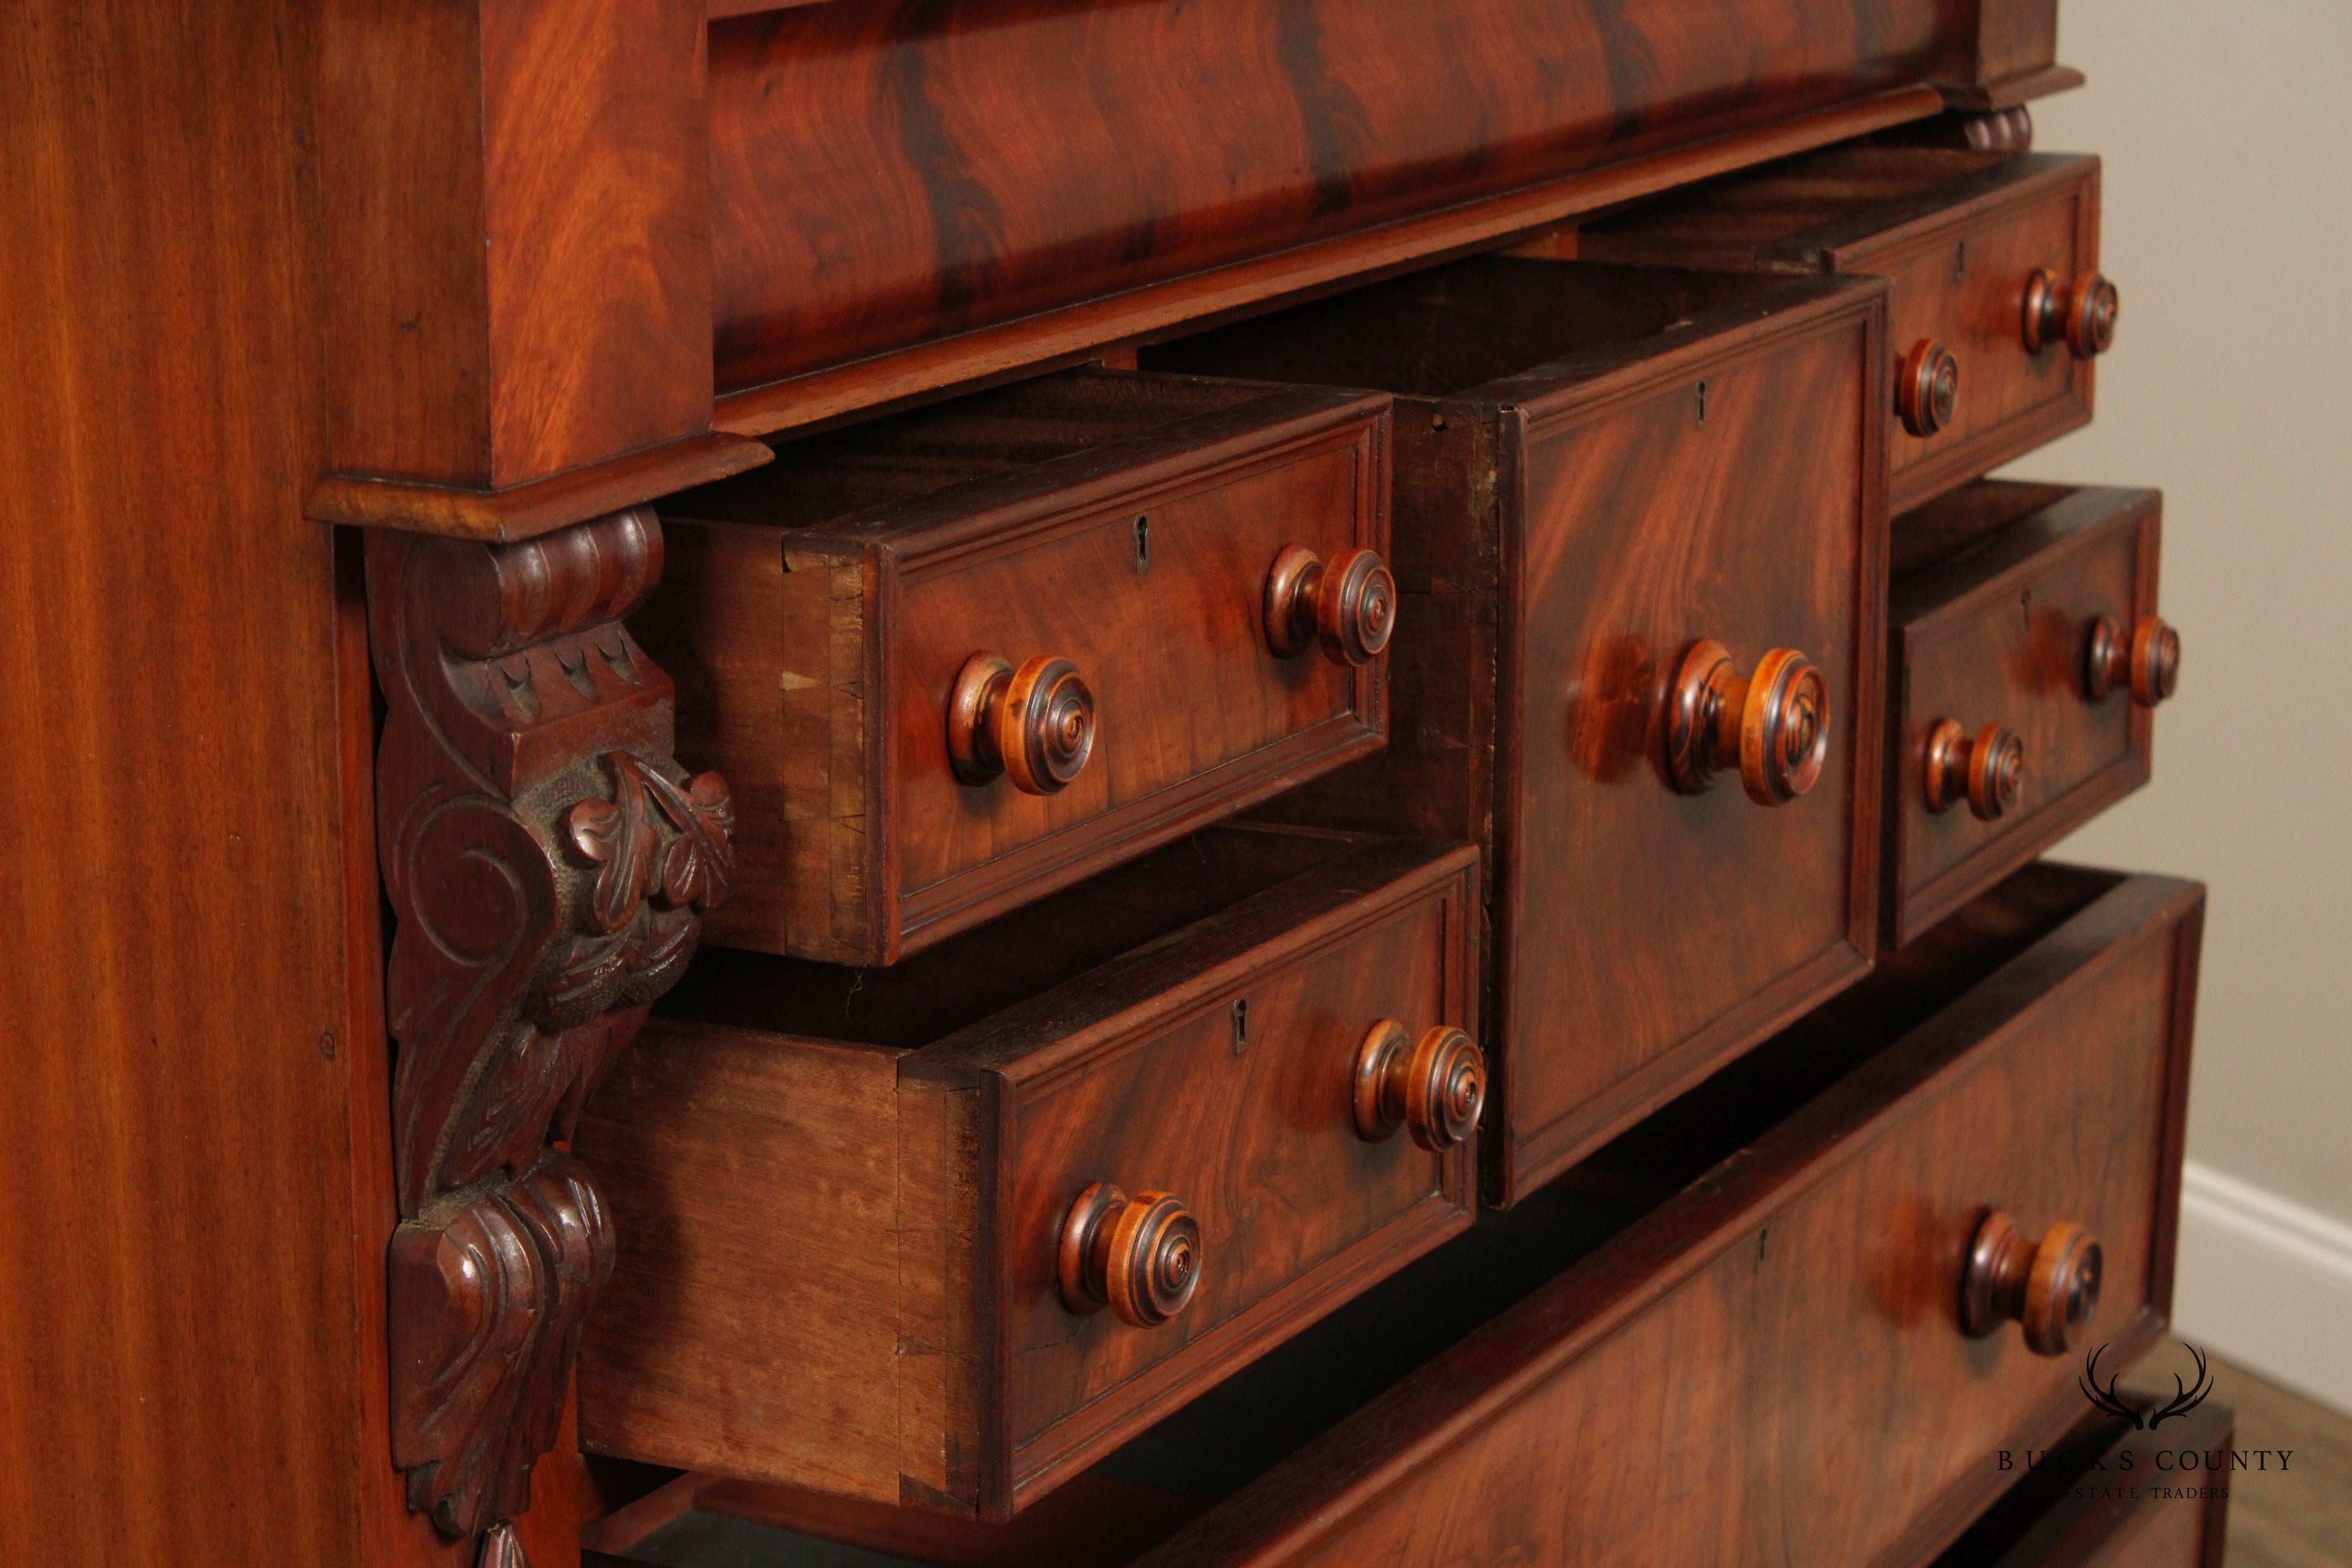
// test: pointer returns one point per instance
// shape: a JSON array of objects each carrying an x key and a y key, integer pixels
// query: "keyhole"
[
  {"x": 1241, "y": 1026},
  {"x": 1142, "y": 544},
  {"x": 1702, "y": 405},
  {"x": 1960, "y": 261}
]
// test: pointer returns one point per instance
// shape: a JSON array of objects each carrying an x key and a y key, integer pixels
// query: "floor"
[{"x": 2302, "y": 1519}]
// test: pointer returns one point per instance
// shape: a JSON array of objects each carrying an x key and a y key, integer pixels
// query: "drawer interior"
[
  {"x": 1441, "y": 333},
  {"x": 977, "y": 975},
  {"x": 1787, "y": 208},
  {"x": 1235, "y": 1433},
  {"x": 1954, "y": 524},
  {"x": 819, "y": 478}
]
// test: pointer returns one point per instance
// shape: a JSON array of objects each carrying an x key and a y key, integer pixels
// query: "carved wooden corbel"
[{"x": 548, "y": 866}]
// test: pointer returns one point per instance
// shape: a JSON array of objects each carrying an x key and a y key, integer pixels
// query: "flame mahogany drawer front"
[
  {"x": 1640, "y": 542},
  {"x": 944, "y": 1234},
  {"x": 1999, "y": 307},
  {"x": 1948, "y": 1186},
  {"x": 2027, "y": 660},
  {"x": 965, "y": 657}
]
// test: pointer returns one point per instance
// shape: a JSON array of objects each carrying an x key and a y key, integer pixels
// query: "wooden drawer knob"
[
  {"x": 2147, "y": 663},
  {"x": 1928, "y": 388},
  {"x": 2052, "y": 1289},
  {"x": 1434, "y": 1089},
  {"x": 1035, "y": 724},
  {"x": 1774, "y": 725},
  {"x": 2080, "y": 314},
  {"x": 1140, "y": 1257},
  {"x": 1986, "y": 769},
  {"x": 1349, "y": 606}
]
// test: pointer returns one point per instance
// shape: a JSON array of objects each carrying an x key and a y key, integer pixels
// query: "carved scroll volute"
[{"x": 548, "y": 866}]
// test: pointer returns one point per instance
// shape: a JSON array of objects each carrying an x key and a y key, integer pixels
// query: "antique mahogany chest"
[{"x": 1059, "y": 784}]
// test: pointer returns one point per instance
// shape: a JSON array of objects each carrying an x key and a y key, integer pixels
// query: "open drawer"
[
  {"x": 954, "y": 660},
  {"x": 1999, "y": 307},
  {"x": 2025, "y": 662},
  {"x": 946, "y": 1233},
  {"x": 1640, "y": 544},
  {"x": 1792, "y": 1318}
]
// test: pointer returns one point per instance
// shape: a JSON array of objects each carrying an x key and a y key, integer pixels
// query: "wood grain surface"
[
  {"x": 822, "y": 610},
  {"x": 512, "y": 206},
  {"x": 1596, "y": 469},
  {"x": 191, "y": 1252},
  {"x": 1801, "y": 1302},
  {"x": 1959, "y": 232},
  {"x": 2113, "y": 1496},
  {"x": 1780, "y": 1251},
  {"x": 922, "y": 1133},
  {"x": 1996, "y": 635}
]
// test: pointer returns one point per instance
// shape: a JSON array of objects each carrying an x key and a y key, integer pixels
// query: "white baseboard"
[{"x": 2265, "y": 1283}]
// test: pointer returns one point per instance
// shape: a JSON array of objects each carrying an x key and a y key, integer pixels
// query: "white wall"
[{"x": 2227, "y": 134}]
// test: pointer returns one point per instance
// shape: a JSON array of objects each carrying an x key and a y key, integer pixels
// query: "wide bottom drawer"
[{"x": 1786, "y": 1320}]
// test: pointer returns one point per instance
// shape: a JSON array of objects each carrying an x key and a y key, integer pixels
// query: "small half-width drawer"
[
  {"x": 958, "y": 659},
  {"x": 2110, "y": 1496},
  {"x": 1998, "y": 307},
  {"x": 946, "y": 1233},
  {"x": 1640, "y": 538},
  {"x": 2027, "y": 660},
  {"x": 1672, "y": 1359}
]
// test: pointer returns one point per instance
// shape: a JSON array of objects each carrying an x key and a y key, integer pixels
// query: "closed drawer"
[
  {"x": 1767, "y": 1363},
  {"x": 1999, "y": 307},
  {"x": 2113, "y": 1497},
  {"x": 1621, "y": 494},
  {"x": 2027, "y": 660},
  {"x": 964, "y": 656},
  {"x": 874, "y": 1246}
]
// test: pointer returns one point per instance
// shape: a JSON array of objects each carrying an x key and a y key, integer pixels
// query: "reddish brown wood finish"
[
  {"x": 1991, "y": 630},
  {"x": 2102, "y": 1500},
  {"x": 185, "y": 1020},
  {"x": 1707, "y": 467},
  {"x": 1816, "y": 1277},
  {"x": 2007, "y": 48},
  {"x": 2051, "y": 1285},
  {"x": 927, "y": 1134},
  {"x": 514, "y": 210},
  {"x": 824, "y": 613},
  {"x": 891, "y": 195},
  {"x": 1962, "y": 234},
  {"x": 547, "y": 866},
  {"x": 1799, "y": 1301}
]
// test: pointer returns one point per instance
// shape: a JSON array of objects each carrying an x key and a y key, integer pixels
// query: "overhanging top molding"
[{"x": 552, "y": 230}]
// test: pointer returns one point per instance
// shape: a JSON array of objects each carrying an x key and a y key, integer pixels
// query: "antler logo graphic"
[{"x": 2110, "y": 1399}]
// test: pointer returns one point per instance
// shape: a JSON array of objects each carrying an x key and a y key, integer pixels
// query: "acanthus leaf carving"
[{"x": 548, "y": 866}]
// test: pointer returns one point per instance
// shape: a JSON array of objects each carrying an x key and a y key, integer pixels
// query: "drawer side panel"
[{"x": 754, "y": 1186}]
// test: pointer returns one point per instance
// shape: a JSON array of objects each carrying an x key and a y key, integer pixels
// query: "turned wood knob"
[
  {"x": 2080, "y": 314},
  {"x": 1773, "y": 725},
  {"x": 2052, "y": 1289},
  {"x": 1140, "y": 1257},
  {"x": 1433, "y": 1088},
  {"x": 2147, "y": 663},
  {"x": 1928, "y": 388},
  {"x": 1986, "y": 769},
  {"x": 1035, "y": 724},
  {"x": 1349, "y": 606}
]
